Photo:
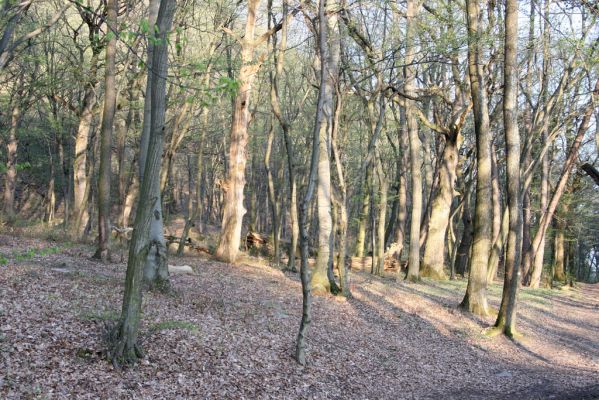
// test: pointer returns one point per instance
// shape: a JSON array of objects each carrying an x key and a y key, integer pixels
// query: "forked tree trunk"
[
  {"x": 475, "y": 299},
  {"x": 103, "y": 250},
  {"x": 125, "y": 348}
]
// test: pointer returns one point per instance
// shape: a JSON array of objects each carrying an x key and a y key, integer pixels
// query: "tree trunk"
[
  {"x": 228, "y": 246},
  {"x": 272, "y": 199},
  {"x": 342, "y": 224},
  {"x": 362, "y": 219},
  {"x": 80, "y": 214},
  {"x": 506, "y": 320},
  {"x": 433, "y": 261},
  {"x": 475, "y": 299},
  {"x": 156, "y": 268},
  {"x": 279, "y": 61},
  {"x": 415, "y": 146},
  {"x": 559, "y": 270},
  {"x": 497, "y": 249},
  {"x": 103, "y": 251},
  {"x": 10, "y": 181},
  {"x": 463, "y": 252},
  {"x": 130, "y": 196},
  {"x": 125, "y": 349},
  {"x": 329, "y": 58},
  {"x": 382, "y": 212}
]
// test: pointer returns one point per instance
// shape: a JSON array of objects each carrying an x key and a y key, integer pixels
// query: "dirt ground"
[{"x": 228, "y": 332}]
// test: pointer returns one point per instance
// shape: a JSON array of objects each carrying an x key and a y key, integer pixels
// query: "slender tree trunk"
[
  {"x": 343, "y": 223},
  {"x": 498, "y": 244},
  {"x": 51, "y": 194},
  {"x": 475, "y": 299},
  {"x": 506, "y": 320},
  {"x": 402, "y": 191},
  {"x": 382, "y": 212},
  {"x": 130, "y": 195},
  {"x": 279, "y": 60},
  {"x": 103, "y": 250},
  {"x": 496, "y": 230},
  {"x": 300, "y": 349},
  {"x": 125, "y": 348},
  {"x": 415, "y": 146},
  {"x": 463, "y": 251},
  {"x": 272, "y": 199},
  {"x": 362, "y": 219},
  {"x": 10, "y": 180}
]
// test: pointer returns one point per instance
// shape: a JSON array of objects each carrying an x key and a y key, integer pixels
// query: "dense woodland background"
[{"x": 391, "y": 137}]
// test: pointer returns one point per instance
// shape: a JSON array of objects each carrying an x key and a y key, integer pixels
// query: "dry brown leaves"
[{"x": 229, "y": 332}]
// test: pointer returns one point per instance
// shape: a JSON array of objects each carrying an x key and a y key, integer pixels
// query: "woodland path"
[{"x": 229, "y": 332}]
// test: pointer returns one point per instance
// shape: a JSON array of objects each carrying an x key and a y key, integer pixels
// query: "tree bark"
[
  {"x": 559, "y": 270},
  {"x": 415, "y": 145},
  {"x": 433, "y": 262},
  {"x": 80, "y": 214},
  {"x": 10, "y": 180},
  {"x": 125, "y": 349},
  {"x": 103, "y": 250},
  {"x": 506, "y": 319},
  {"x": 475, "y": 299},
  {"x": 228, "y": 246},
  {"x": 328, "y": 48}
]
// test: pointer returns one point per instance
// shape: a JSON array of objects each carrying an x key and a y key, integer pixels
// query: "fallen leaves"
[{"x": 229, "y": 332}]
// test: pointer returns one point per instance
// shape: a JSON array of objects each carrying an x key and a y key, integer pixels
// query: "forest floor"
[{"x": 228, "y": 332}]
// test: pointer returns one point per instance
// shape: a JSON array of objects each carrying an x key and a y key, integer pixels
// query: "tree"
[
  {"x": 125, "y": 348},
  {"x": 506, "y": 320},
  {"x": 156, "y": 267},
  {"x": 475, "y": 299},
  {"x": 415, "y": 146},
  {"x": 328, "y": 51},
  {"x": 234, "y": 210},
  {"x": 104, "y": 227}
]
